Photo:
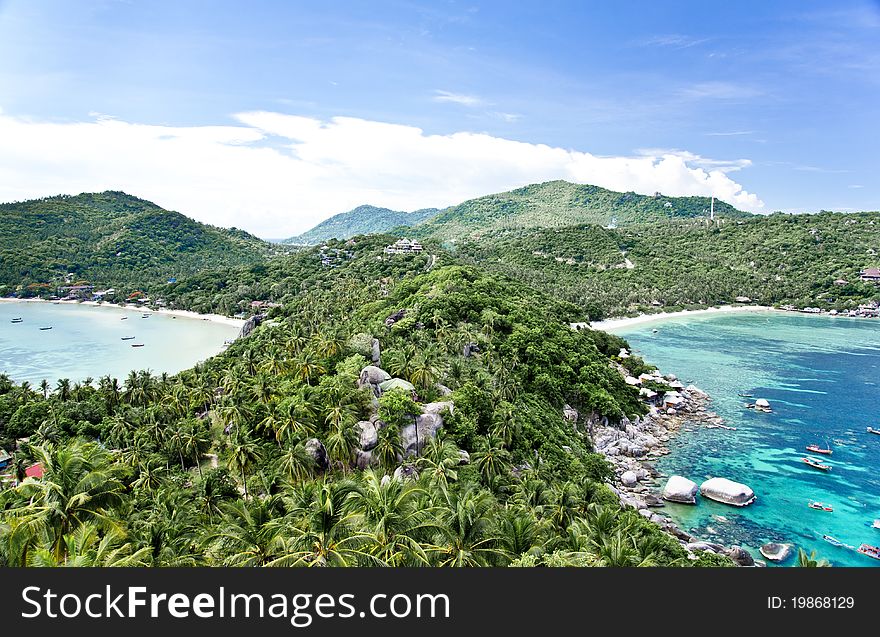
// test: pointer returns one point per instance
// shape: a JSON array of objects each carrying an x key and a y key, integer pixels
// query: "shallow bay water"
[
  {"x": 86, "y": 341},
  {"x": 822, "y": 378}
]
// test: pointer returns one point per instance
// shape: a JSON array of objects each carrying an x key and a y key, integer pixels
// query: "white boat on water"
[{"x": 871, "y": 430}]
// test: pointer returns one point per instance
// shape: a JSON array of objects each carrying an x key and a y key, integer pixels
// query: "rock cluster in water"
[{"x": 632, "y": 445}]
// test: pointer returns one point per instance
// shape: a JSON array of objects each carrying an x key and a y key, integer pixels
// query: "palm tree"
[
  {"x": 467, "y": 535},
  {"x": 45, "y": 388},
  {"x": 244, "y": 453},
  {"x": 393, "y": 514},
  {"x": 325, "y": 529},
  {"x": 492, "y": 459},
  {"x": 249, "y": 534},
  {"x": 79, "y": 485},
  {"x": 505, "y": 424},
  {"x": 88, "y": 546},
  {"x": 306, "y": 367},
  {"x": 295, "y": 464},
  {"x": 388, "y": 447},
  {"x": 422, "y": 373},
  {"x": 298, "y": 417},
  {"x": 62, "y": 387},
  {"x": 810, "y": 561},
  {"x": 438, "y": 461}
]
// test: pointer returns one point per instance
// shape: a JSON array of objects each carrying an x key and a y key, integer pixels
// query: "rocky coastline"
[{"x": 632, "y": 447}]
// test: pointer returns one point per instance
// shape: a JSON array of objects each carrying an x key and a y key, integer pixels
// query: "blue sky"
[{"x": 778, "y": 99}]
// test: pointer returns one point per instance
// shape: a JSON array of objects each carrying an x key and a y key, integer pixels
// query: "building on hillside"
[
  {"x": 840, "y": 282},
  {"x": 5, "y": 458},
  {"x": 34, "y": 471},
  {"x": 404, "y": 246},
  {"x": 76, "y": 292},
  {"x": 871, "y": 275}
]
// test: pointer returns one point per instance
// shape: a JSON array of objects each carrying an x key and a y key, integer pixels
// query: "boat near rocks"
[{"x": 727, "y": 492}]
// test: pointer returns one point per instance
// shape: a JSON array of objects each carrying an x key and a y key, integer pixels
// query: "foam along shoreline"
[
  {"x": 618, "y": 323},
  {"x": 216, "y": 318}
]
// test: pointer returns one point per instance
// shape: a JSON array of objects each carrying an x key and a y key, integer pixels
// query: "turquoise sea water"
[
  {"x": 822, "y": 378},
  {"x": 87, "y": 341}
]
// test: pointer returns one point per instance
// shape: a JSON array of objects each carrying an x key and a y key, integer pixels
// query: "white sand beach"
[
  {"x": 617, "y": 323},
  {"x": 216, "y": 318}
]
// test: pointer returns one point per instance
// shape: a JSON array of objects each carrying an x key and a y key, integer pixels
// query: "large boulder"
[
  {"x": 364, "y": 459},
  {"x": 369, "y": 436},
  {"x": 776, "y": 552},
  {"x": 727, "y": 492},
  {"x": 629, "y": 479},
  {"x": 406, "y": 472},
  {"x": 372, "y": 375},
  {"x": 375, "y": 352},
  {"x": 680, "y": 489},
  {"x": 741, "y": 556},
  {"x": 316, "y": 449},
  {"x": 414, "y": 437},
  {"x": 396, "y": 383},
  {"x": 570, "y": 413},
  {"x": 439, "y": 407}
]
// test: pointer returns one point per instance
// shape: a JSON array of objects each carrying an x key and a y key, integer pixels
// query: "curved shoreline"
[
  {"x": 621, "y": 322},
  {"x": 215, "y": 318}
]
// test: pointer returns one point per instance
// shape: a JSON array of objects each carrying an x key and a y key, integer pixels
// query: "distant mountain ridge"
[
  {"x": 362, "y": 220},
  {"x": 556, "y": 204},
  {"x": 549, "y": 204},
  {"x": 111, "y": 238}
]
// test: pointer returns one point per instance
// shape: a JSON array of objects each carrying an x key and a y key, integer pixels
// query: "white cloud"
[
  {"x": 277, "y": 175},
  {"x": 720, "y": 91},
  {"x": 457, "y": 98},
  {"x": 734, "y": 133}
]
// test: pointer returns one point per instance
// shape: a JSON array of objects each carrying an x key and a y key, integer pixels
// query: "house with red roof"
[{"x": 34, "y": 471}]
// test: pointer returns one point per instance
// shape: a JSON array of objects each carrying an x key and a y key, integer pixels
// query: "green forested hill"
[
  {"x": 361, "y": 220},
  {"x": 773, "y": 259},
  {"x": 111, "y": 238},
  {"x": 275, "y": 452},
  {"x": 556, "y": 204}
]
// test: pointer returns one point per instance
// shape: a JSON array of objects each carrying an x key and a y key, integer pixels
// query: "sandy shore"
[
  {"x": 617, "y": 323},
  {"x": 216, "y": 318}
]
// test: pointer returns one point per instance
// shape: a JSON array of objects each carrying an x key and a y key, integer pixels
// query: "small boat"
[
  {"x": 124, "y": 318},
  {"x": 45, "y": 328},
  {"x": 833, "y": 541},
  {"x": 137, "y": 344},
  {"x": 145, "y": 316},
  {"x": 17, "y": 320},
  {"x": 870, "y": 551},
  {"x": 654, "y": 331},
  {"x": 818, "y": 449},
  {"x": 816, "y": 464},
  {"x": 871, "y": 430},
  {"x": 746, "y": 395},
  {"x": 127, "y": 338},
  {"x": 820, "y": 507}
]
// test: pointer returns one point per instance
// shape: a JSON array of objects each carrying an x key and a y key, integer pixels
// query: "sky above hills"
[{"x": 272, "y": 116}]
